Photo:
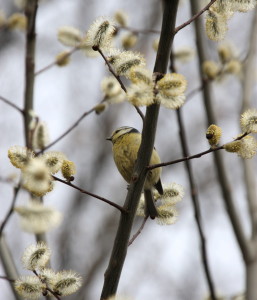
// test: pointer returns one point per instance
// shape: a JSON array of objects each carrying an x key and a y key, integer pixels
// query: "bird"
[{"x": 126, "y": 142}]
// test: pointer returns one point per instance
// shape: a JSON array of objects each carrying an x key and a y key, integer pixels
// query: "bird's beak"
[{"x": 109, "y": 139}]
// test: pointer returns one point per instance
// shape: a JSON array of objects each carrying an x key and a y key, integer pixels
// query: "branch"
[
  {"x": 30, "y": 13},
  {"x": 7, "y": 278},
  {"x": 196, "y": 206},
  {"x": 198, "y": 155},
  {"x": 120, "y": 208},
  {"x": 248, "y": 82},
  {"x": 197, "y": 15},
  {"x": 138, "y": 232},
  {"x": 117, "y": 77},
  {"x": 52, "y": 64},
  {"x": 68, "y": 130},
  {"x": 8, "y": 264},
  {"x": 137, "y": 31},
  {"x": 114, "y": 270},
  {"x": 56, "y": 296},
  {"x": 110, "y": 68},
  {"x": 12, "y": 104},
  {"x": 73, "y": 126},
  {"x": 8, "y": 215},
  {"x": 222, "y": 175}
]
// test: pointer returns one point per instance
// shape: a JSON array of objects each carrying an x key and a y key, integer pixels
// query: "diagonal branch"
[
  {"x": 119, "y": 251},
  {"x": 73, "y": 126},
  {"x": 10, "y": 211},
  {"x": 198, "y": 155},
  {"x": 8, "y": 264},
  {"x": 120, "y": 208},
  {"x": 117, "y": 77},
  {"x": 197, "y": 15},
  {"x": 8, "y": 102},
  {"x": 7, "y": 278},
  {"x": 54, "y": 294},
  {"x": 138, "y": 231},
  {"x": 110, "y": 68},
  {"x": 52, "y": 64}
]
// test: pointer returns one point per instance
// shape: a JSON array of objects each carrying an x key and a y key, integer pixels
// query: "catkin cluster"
[
  {"x": 219, "y": 14},
  {"x": 45, "y": 281}
]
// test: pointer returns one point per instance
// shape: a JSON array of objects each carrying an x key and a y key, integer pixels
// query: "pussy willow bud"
[
  {"x": 213, "y": 134},
  {"x": 215, "y": 25},
  {"x": 68, "y": 169},
  {"x": 248, "y": 121},
  {"x": 211, "y": 69},
  {"x": 62, "y": 59}
]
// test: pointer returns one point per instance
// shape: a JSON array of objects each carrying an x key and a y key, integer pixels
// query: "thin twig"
[
  {"x": 7, "y": 180},
  {"x": 177, "y": 29},
  {"x": 118, "y": 78},
  {"x": 8, "y": 264},
  {"x": 7, "y": 278},
  {"x": 120, "y": 208},
  {"x": 192, "y": 93},
  {"x": 137, "y": 31},
  {"x": 52, "y": 64},
  {"x": 198, "y": 155},
  {"x": 111, "y": 69},
  {"x": 138, "y": 232},
  {"x": 47, "y": 288},
  {"x": 10, "y": 211},
  {"x": 74, "y": 125},
  {"x": 11, "y": 104},
  {"x": 139, "y": 112}
]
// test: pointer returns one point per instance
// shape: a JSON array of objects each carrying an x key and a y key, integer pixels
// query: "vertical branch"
[
  {"x": 194, "y": 197},
  {"x": 113, "y": 272},
  {"x": 30, "y": 13},
  {"x": 249, "y": 171},
  {"x": 196, "y": 206},
  {"x": 247, "y": 91},
  {"x": 218, "y": 160},
  {"x": 8, "y": 263}
]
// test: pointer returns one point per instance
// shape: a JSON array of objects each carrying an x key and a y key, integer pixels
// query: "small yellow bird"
[{"x": 126, "y": 142}]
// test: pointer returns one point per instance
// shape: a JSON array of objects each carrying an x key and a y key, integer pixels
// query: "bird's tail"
[{"x": 150, "y": 209}]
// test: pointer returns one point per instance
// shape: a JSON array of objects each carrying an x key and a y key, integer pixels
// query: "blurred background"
[{"x": 164, "y": 261}]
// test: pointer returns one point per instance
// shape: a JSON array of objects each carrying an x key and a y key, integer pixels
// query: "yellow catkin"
[
  {"x": 62, "y": 59},
  {"x": 234, "y": 66},
  {"x": 215, "y": 26},
  {"x": 213, "y": 134},
  {"x": 233, "y": 146},
  {"x": 129, "y": 41},
  {"x": 210, "y": 69},
  {"x": 100, "y": 108},
  {"x": 17, "y": 21},
  {"x": 68, "y": 169}
]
